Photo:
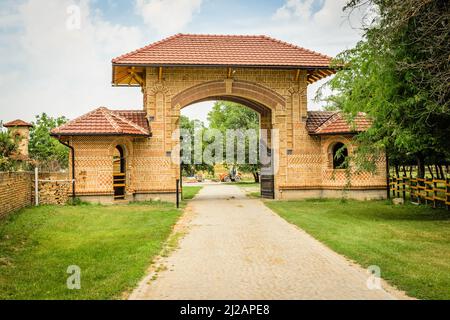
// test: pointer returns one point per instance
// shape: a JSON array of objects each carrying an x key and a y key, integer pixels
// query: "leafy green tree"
[
  {"x": 8, "y": 147},
  {"x": 398, "y": 75},
  {"x": 46, "y": 150},
  {"x": 195, "y": 128},
  {"x": 228, "y": 115}
]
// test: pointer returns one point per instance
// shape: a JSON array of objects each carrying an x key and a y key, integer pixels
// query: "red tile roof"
[
  {"x": 226, "y": 50},
  {"x": 17, "y": 123},
  {"x": 103, "y": 121},
  {"x": 316, "y": 118},
  {"x": 326, "y": 122}
]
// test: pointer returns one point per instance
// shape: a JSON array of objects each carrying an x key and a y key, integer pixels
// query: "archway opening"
[
  {"x": 233, "y": 113},
  {"x": 119, "y": 174}
]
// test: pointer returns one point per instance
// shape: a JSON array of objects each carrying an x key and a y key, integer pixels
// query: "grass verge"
[
  {"x": 411, "y": 244},
  {"x": 189, "y": 192},
  {"x": 112, "y": 245}
]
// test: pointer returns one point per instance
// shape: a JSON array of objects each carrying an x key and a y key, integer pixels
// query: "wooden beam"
[
  {"x": 122, "y": 78},
  {"x": 314, "y": 77},
  {"x": 160, "y": 73},
  {"x": 229, "y": 73},
  {"x": 322, "y": 74},
  {"x": 138, "y": 79},
  {"x": 297, "y": 75}
]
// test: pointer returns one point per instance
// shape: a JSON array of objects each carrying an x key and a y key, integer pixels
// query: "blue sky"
[
  {"x": 55, "y": 54},
  {"x": 210, "y": 13}
]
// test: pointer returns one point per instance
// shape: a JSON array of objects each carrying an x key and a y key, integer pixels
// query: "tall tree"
[{"x": 398, "y": 75}]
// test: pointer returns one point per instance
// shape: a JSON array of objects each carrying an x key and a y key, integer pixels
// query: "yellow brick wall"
[
  {"x": 276, "y": 94},
  {"x": 15, "y": 191}
]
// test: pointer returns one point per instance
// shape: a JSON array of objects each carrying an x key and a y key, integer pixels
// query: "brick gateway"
[{"x": 133, "y": 147}]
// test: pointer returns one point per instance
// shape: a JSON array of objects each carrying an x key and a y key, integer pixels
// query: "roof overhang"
[
  {"x": 133, "y": 75},
  {"x": 68, "y": 134},
  {"x": 347, "y": 133}
]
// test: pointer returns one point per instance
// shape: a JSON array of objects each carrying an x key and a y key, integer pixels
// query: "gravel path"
[{"x": 237, "y": 248}]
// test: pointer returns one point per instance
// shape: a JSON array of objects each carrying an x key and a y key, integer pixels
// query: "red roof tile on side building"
[
  {"x": 226, "y": 50},
  {"x": 103, "y": 121},
  {"x": 326, "y": 122},
  {"x": 17, "y": 123}
]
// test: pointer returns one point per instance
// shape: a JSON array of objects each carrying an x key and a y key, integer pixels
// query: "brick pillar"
[{"x": 279, "y": 123}]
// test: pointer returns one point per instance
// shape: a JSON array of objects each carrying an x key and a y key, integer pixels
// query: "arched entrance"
[
  {"x": 265, "y": 74},
  {"x": 254, "y": 96},
  {"x": 119, "y": 174}
]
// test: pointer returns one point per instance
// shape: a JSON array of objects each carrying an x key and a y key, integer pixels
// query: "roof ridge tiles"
[
  {"x": 131, "y": 123},
  {"x": 108, "y": 115},
  {"x": 331, "y": 119}
]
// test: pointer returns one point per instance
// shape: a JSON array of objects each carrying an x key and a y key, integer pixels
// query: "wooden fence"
[{"x": 429, "y": 191}]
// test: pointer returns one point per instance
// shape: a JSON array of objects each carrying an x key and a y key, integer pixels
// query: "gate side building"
[{"x": 133, "y": 149}]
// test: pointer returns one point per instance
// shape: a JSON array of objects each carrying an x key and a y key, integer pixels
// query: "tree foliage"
[
  {"x": 228, "y": 115},
  {"x": 399, "y": 76},
  {"x": 8, "y": 147},
  {"x": 196, "y": 129},
  {"x": 44, "y": 149}
]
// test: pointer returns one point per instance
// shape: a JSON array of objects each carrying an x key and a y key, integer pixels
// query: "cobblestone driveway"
[{"x": 237, "y": 248}]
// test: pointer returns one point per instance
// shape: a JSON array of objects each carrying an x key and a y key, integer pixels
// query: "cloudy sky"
[{"x": 51, "y": 61}]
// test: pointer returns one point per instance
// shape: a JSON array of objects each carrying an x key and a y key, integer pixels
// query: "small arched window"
[{"x": 340, "y": 154}]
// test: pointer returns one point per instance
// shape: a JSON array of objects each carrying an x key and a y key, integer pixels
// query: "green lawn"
[
  {"x": 189, "y": 192},
  {"x": 411, "y": 244},
  {"x": 113, "y": 246}
]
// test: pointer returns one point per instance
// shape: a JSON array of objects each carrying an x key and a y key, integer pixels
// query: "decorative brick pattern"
[{"x": 279, "y": 95}]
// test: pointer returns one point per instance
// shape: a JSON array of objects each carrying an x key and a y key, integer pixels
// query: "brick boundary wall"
[{"x": 17, "y": 190}]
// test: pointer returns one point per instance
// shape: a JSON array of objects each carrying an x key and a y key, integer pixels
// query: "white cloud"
[
  {"x": 294, "y": 9},
  {"x": 62, "y": 71},
  {"x": 167, "y": 16},
  {"x": 328, "y": 30}
]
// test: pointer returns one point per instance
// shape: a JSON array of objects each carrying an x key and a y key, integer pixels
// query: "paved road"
[{"x": 237, "y": 248}]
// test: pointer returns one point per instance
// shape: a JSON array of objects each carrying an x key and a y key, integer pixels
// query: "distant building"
[{"x": 21, "y": 129}]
